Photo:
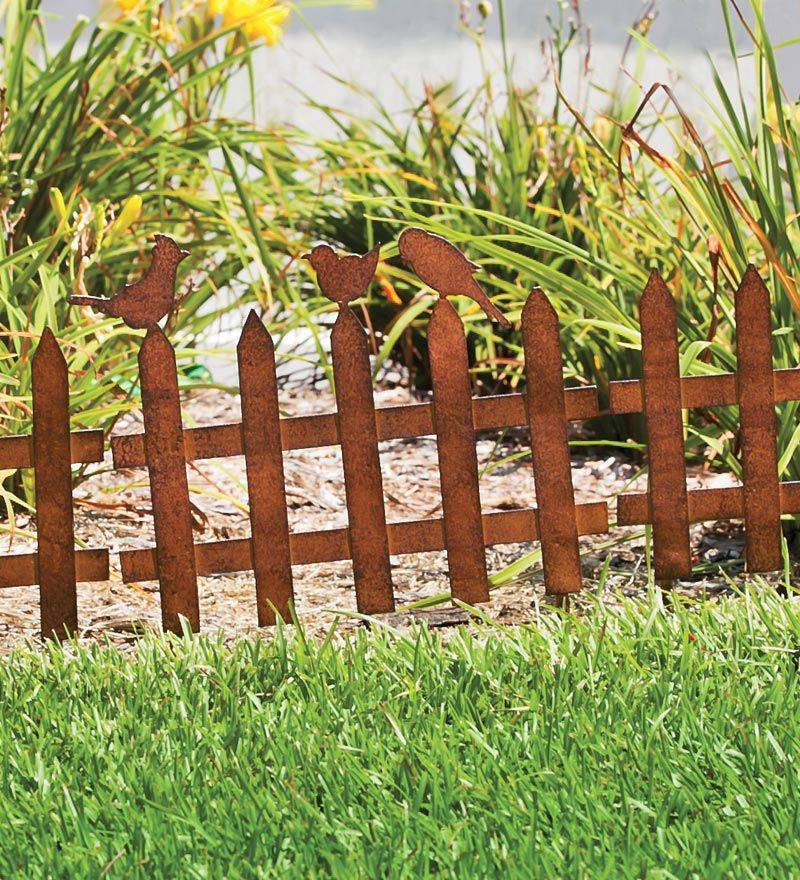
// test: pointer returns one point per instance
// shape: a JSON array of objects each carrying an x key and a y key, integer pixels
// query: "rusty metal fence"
[{"x": 453, "y": 416}]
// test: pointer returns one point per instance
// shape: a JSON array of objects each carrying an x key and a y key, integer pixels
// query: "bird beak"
[
  {"x": 185, "y": 254},
  {"x": 305, "y": 256}
]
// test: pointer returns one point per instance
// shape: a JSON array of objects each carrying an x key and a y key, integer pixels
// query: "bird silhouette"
[
  {"x": 343, "y": 279},
  {"x": 444, "y": 268},
  {"x": 145, "y": 302}
]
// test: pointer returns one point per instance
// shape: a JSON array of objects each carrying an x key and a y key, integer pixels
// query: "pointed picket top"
[
  {"x": 661, "y": 385},
  {"x": 547, "y": 422},
  {"x": 48, "y": 351},
  {"x": 53, "y": 486},
  {"x": 261, "y": 439},
  {"x": 363, "y": 482},
  {"x": 155, "y": 340},
  {"x": 656, "y": 295},
  {"x": 539, "y": 310},
  {"x": 169, "y": 487},
  {"x": 458, "y": 459},
  {"x": 752, "y": 293},
  {"x": 755, "y": 394},
  {"x": 254, "y": 335}
]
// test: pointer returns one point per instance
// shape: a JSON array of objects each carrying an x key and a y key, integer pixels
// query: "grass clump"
[
  {"x": 639, "y": 743},
  {"x": 584, "y": 191}
]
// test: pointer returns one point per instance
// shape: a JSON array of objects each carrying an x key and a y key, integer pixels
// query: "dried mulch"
[{"x": 112, "y": 509}]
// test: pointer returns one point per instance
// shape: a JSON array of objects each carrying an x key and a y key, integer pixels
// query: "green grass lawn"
[{"x": 641, "y": 743}]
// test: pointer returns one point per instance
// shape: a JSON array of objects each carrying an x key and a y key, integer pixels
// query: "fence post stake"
[
  {"x": 458, "y": 457},
  {"x": 266, "y": 488},
  {"x": 756, "y": 397},
  {"x": 661, "y": 384},
  {"x": 169, "y": 487},
  {"x": 363, "y": 483},
  {"x": 547, "y": 421},
  {"x": 54, "y": 517}
]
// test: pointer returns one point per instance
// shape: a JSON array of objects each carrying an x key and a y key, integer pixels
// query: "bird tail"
[
  {"x": 98, "y": 303},
  {"x": 478, "y": 294}
]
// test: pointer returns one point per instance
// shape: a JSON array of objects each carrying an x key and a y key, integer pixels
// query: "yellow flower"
[
  {"x": 58, "y": 205},
  {"x": 258, "y": 19},
  {"x": 215, "y": 7},
  {"x": 130, "y": 7},
  {"x": 126, "y": 217}
]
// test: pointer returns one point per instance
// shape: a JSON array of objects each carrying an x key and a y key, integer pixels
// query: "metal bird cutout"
[
  {"x": 145, "y": 302},
  {"x": 343, "y": 279},
  {"x": 444, "y": 268}
]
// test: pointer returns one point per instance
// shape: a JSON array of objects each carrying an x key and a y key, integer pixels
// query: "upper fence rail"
[{"x": 453, "y": 416}]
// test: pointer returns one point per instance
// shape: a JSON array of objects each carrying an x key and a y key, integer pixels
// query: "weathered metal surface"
[
  {"x": 169, "y": 488},
  {"x": 366, "y": 513},
  {"x": 16, "y": 451},
  {"x": 703, "y": 391},
  {"x": 463, "y": 530},
  {"x": 706, "y": 505},
  {"x": 757, "y": 424},
  {"x": 552, "y": 474},
  {"x": 22, "y": 569},
  {"x": 54, "y": 518},
  {"x": 332, "y": 545},
  {"x": 445, "y": 269},
  {"x": 343, "y": 279},
  {"x": 393, "y": 422},
  {"x": 142, "y": 304},
  {"x": 271, "y": 559},
  {"x": 458, "y": 458},
  {"x": 696, "y": 391},
  {"x": 755, "y": 387},
  {"x": 662, "y": 409}
]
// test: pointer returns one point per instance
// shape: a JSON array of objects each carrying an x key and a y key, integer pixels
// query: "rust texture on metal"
[
  {"x": 663, "y": 418},
  {"x": 552, "y": 474},
  {"x": 363, "y": 483},
  {"x": 458, "y": 457},
  {"x": 22, "y": 569},
  {"x": 454, "y": 416},
  {"x": 169, "y": 488},
  {"x": 757, "y": 424},
  {"x": 16, "y": 451},
  {"x": 393, "y": 423},
  {"x": 343, "y": 279},
  {"x": 52, "y": 457},
  {"x": 332, "y": 545},
  {"x": 266, "y": 489},
  {"x": 145, "y": 302},
  {"x": 703, "y": 392},
  {"x": 445, "y": 269},
  {"x": 706, "y": 505}
]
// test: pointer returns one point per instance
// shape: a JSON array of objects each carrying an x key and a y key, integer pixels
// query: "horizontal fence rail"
[{"x": 453, "y": 417}]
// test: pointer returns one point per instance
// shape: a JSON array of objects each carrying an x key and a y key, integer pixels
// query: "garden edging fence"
[{"x": 453, "y": 416}]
